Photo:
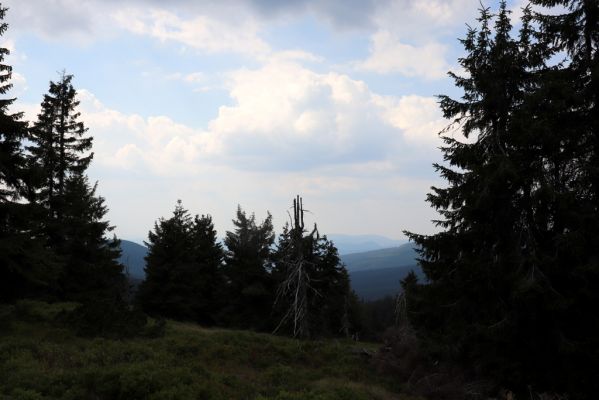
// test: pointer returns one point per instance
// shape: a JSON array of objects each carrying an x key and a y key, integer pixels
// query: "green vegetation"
[{"x": 42, "y": 358}]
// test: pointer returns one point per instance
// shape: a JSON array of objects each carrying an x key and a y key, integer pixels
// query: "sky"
[{"x": 227, "y": 103}]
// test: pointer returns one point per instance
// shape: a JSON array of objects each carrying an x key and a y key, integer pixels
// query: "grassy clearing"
[{"x": 42, "y": 359}]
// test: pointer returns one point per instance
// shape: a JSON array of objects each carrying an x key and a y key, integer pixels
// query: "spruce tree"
[
  {"x": 183, "y": 279},
  {"x": 59, "y": 145},
  {"x": 91, "y": 269},
  {"x": 572, "y": 28},
  {"x": 486, "y": 303},
  {"x": 26, "y": 268},
  {"x": 249, "y": 287},
  {"x": 71, "y": 218},
  {"x": 13, "y": 131},
  {"x": 513, "y": 275},
  {"x": 335, "y": 313}
]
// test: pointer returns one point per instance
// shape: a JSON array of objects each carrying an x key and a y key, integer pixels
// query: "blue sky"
[{"x": 220, "y": 103}]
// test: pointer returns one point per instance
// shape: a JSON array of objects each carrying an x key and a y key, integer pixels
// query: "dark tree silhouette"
[
  {"x": 250, "y": 290},
  {"x": 514, "y": 275},
  {"x": 60, "y": 147},
  {"x": 72, "y": 214},
  {"x": 183, "y": 279},
  {"x": 91, "y": 269},
  {"x": 26, "y": 267},
  {"x": 314, "y": 296}
]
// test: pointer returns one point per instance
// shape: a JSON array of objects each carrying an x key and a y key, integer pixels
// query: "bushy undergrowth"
[
  {"x": 44, "y": 358},
  {"x": 111, "y": 319}
]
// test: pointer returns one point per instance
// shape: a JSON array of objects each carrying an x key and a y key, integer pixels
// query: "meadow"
[{"x": 42, "y": 357}]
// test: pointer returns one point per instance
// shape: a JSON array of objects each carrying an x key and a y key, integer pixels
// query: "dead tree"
[
  {"x": 295, "y": 287},
  {"x": 401, "y": 310}
]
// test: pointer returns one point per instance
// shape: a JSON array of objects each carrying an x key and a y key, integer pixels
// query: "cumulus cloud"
[
  {"x": 418, "y": 117},
  {"x": 283, "y": 117},
  {"x": 300, "y": 118},
  {"x": 77, "y": 20},
  {"x": 155, "y": 144},
  {"x": 407, "y": 36},
  {"x": 388, "y": 54},
  {"x": 200, "y": 32}
]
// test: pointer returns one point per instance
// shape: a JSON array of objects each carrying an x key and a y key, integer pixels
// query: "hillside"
[
  {"x": 43, "y": 358},
  {"x": 378, "y": 283},
  {"x": 132, "y": 257},
  {"x": 376, "y": 274},
  {"x": 348, "y": 244},
  {"x": 392, "y": 257}
]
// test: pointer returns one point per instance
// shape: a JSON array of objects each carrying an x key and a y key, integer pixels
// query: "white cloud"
[
  {"x": 79, "y": 21},
  {"x": 408, "y": 37},
  {"x": 422, "y": 20},
  {"x": 132, "y": 142},
  {"x": 283, "y": 117},
  {"x": 388, "y": 54},
  {"x": 200, "y": 32},
  {"x": 300, "y": 119},
  {"x": 419, "y": 118},
  {"x": 14, "y": 56},
  {"x": 19, "y": 84},
  {"x": 294, "y": 114}
]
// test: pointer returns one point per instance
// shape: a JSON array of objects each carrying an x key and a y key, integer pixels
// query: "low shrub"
[{"x": 108, "y": 318}]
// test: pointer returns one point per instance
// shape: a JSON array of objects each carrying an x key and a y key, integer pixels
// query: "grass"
[{"x": 43, "y": 359}]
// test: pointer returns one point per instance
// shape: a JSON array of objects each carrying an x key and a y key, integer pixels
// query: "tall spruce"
[
  {"x": 248, "y": 261},
  {"x": 572, "y": 28},
  {"x": 26, "y": 268},
  {"x": 59, "y": 145},
  {"x": 492, "y": 300},
  {"x": 71, "y": 221},
  {"x": 183, "y": 278}
]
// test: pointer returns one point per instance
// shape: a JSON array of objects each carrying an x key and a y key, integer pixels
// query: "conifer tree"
[
  {"x": 314, "y": 296},
  {"x": 249, "y": 290},
  {"x": 572, "y": 250},
  {"x": 479, "y": 266},
  {"x": 513, "y": 275},
  {"x": 72, "y": 218},
  {"x": 60, "y": 147},
  {"x": 26, "y": 268},
  {"x": 91, "y": 269},
  {"x": 183, "y": 278},
  {"x": 335, "y": 316}
]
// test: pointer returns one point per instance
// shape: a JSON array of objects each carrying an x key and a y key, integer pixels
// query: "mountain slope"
[
  {"x": 377, "y": 283},
  {"x": 348, "y": 244},
  {"x": 376, "y": 274},
  {"x": 400, "y": 256},
  {"x": 132, "y": 257}
]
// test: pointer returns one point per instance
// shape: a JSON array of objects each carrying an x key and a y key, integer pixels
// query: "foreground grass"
[{"x": 43, "y": 359}]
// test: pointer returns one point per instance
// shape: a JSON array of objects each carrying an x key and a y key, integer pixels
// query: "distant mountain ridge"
[
  {"x": 399, "y": 256},
  {"x": 374, "y": 274},
  {"x": 348, "y": 244},
  {"x": 377, "y": 273},
  {"x": 132, "y": 258}
]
